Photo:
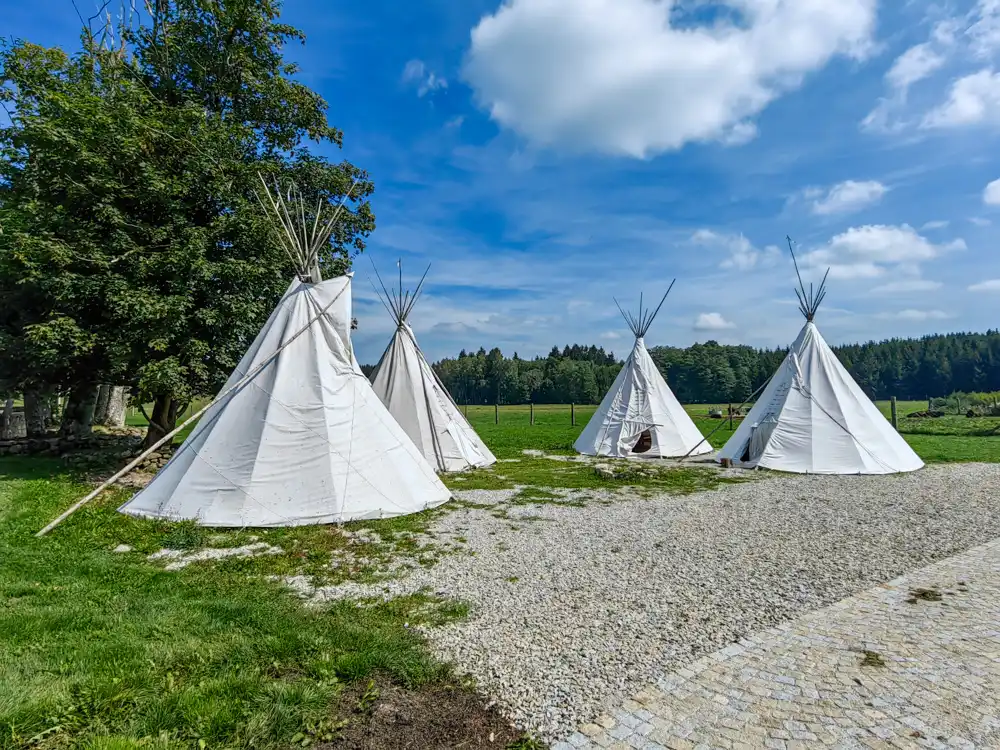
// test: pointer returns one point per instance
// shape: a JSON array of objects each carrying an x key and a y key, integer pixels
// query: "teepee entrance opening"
[{"x": 645, "y": 442}]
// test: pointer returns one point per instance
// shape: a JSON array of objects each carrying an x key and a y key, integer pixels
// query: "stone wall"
[{"x": 53, "y": 445}]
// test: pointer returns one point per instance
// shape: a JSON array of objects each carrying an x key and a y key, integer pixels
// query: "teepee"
[
  {"x": 298, "y": 436},
  {"x": 813, "y": 418},
  {"x": 416, "y": 397},
  {"x": 640, "y": 414}
]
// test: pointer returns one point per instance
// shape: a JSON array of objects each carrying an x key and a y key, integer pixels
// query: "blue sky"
[{"x": 547, "y": 155}]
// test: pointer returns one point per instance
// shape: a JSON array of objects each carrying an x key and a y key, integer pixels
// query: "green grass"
[
  {"x": 107, "y": 650},
  {"x": 104, "y": 650},
  {"x": 952, "y": 438}
]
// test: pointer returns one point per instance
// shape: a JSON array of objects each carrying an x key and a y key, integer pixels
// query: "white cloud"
[
  {"x": 455, "y": 122},
  {"x": 849, "y": 196},
  {"x": 611, "y": 335},
  {"x": 991, "y": 195},
  {"x": 712, "y": 321},
  {"x": 917, "y": 315},
  {"x": 868, "y": 251},
  {"x": 935, "y": 225},
  {"x": 743, "y": 256},
  {"x": 415, "y": 73},
  {"x": 985, "y": 31},
  {"x": 617, "y": 77},
  {"x": 979, "y": 221},
  {"x": 914, "y": 65},
  {"x": 912, "y": 285},
  {"x": 993, "y": 285},
  {"x": 972, "y": 100},
  {"x": 960, "y": 41}
]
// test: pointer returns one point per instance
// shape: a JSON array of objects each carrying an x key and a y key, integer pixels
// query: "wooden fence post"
[
  {"x": 730, "y": 417},
  {"x": 895, "y": 422},
  {"x": 531, "y": 411},
  {"x": 496, "y": 413},
  {"x": 572, "y": 414}
]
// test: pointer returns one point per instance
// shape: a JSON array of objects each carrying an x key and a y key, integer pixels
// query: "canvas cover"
[
  {"x": 819, "y": 419},
  {"x": 413, "y": 394},
  {"x": 306, "y": 441},
  {"x": 640, "y": 400}
]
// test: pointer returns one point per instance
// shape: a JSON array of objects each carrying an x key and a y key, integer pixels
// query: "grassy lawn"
[{"x": 107, "y": 650}]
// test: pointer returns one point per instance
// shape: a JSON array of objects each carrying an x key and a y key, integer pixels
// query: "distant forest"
[{"x": 910, "y": 369}]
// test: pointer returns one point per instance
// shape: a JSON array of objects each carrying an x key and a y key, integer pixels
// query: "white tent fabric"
[
  {"x": 640, "y": 400},
  {"x": 819, "y": 420},
  {"x": 413, "y": 394},
  {"x": 305, "y": 441}
]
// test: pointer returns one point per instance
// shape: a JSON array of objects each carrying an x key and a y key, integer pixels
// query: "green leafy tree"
[{"x": 130, "y": 181}]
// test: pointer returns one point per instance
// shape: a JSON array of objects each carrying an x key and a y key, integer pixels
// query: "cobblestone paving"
[{"x": 914, "y": 663}]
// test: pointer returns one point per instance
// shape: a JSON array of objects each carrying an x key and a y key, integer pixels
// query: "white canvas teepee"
[
  {"x": 640, "y": 414},
  {"x": 304, "y": 440},
  {"x": 813, "y": 418},
  {"x": 416, "y": 397}
]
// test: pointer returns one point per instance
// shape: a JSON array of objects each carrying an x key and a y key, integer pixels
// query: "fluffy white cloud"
[
  {"x": 867, "y": 252},
  {"x": 960, "y": 41},
  {"x": 743, "y": 256},
  {"x": 712, "y": 321},
  {"x": 849, "y": 196},
  {"x": 979, "y": 221},
  {"x": 972, "y": 100},
  {"x": 415, "y": 73},
  {"x": 992, "y": 285},
  {"x": 911, "y": 285},
  {"x": 991, "y": 195},
  {"x": 633, "y": 77}
]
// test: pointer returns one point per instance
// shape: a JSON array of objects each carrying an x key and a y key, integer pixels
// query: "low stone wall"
[{"x": 55, "y": 445}]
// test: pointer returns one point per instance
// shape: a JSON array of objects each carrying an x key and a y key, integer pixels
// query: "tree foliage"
[
  {"x": 910, "y": 369},
  {"x": 133, "y": 249}
]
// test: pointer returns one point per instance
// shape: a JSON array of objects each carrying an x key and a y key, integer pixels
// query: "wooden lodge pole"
[
  {"x": 895, "y": 422},
  {"x": 572, "y": 414},
  {"x": 730, "y": 417}
]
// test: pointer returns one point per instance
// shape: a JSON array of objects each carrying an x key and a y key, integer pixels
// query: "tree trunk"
[
  {"x": 163, "y": 419},
  {"x": 37, "y": 413},
  {"x": 101, "y": 409},
  {"x": 114, "y": 415},
  {"x": 78, "y": 419}
]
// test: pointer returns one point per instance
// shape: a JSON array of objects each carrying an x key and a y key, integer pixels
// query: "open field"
[
  {"x": 952, "y": 438},
  {"x": 536, "y": 557}
]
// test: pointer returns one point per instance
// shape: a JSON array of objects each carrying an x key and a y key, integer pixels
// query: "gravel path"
[{"x": 576, "y": 608}]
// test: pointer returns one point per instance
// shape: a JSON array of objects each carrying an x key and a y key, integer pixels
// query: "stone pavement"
[{"x": 914, "y": 663}]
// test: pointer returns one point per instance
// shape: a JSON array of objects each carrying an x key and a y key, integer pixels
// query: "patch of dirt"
[{"x": 435, "y": 717}]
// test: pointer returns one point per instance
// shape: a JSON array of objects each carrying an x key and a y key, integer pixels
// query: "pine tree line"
[{"x": 909, "y": 369}]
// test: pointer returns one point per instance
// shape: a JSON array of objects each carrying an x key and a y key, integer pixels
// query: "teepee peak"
[
  {"x": 639, "y": 323},
  {"x": 809, "y": 301}
]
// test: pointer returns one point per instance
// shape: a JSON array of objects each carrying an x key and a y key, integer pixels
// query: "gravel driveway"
[{"x": 578, "y": 607}]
